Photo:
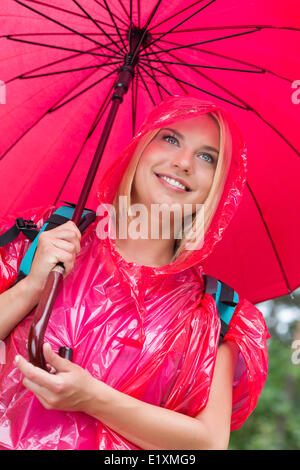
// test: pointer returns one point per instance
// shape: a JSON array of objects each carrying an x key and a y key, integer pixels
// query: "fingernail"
[{"x": 17, "y": 359}]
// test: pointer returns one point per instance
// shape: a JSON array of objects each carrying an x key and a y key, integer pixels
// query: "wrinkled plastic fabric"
[{"x": 149, "y": 332}]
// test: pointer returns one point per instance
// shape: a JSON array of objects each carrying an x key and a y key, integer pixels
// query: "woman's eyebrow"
[
  {"x": 209, "y": 148},
  {"x": 180, "y": 136}
]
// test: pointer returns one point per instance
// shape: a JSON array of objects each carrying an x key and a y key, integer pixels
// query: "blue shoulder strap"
[
  {"x": 60, "y": 216},
  {"x": 226, "y": 300}
]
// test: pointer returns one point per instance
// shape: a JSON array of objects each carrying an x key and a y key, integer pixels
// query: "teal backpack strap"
[
  {"x": 226, "y": 300},
  {"x": 59, "y": 217}
]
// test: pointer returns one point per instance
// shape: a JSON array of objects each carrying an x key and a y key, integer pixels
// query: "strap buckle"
[{"x": 22, "y": 224}]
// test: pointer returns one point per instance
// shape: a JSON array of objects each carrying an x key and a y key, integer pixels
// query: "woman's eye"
[
  {"x": 209, "y": 159},
  {"x": 171, "y": 139}
]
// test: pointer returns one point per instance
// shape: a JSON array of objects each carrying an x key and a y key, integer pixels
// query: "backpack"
[
  {"x": 225, "y": 297},
  {"x": 28, "y": 228}
]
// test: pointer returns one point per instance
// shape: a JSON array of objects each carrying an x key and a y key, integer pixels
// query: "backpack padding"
[
  {"x": 59, "y": 217},
  {"x": 226, "y": 300}
]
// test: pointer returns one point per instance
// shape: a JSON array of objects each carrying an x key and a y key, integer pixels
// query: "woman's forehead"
[
  {"x": 198, "y": 129},
  {"x": 203, "y": 120}
]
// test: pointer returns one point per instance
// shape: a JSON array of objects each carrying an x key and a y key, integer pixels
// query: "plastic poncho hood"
[
  {"x": 149, "y": 332},
  {"x": 167, "y": 112}
]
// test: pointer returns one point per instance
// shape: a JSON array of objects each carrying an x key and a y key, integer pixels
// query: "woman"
[{"x": 147, "y": 371}]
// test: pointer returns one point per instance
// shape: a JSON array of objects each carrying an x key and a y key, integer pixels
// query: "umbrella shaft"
[
  {"x": 125, "y": 76},
  {"x": 95, "y": 163}
]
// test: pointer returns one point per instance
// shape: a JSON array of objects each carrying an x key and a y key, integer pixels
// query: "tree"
[{"x": 274, "y": 424}]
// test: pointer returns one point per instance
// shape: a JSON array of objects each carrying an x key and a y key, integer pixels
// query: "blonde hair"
[{"x": 212, "y": 201}]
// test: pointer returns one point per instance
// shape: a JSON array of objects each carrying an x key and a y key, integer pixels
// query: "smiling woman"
[
  {"x": 184, "y": 165},
  {"x": 149, "y": 371}
]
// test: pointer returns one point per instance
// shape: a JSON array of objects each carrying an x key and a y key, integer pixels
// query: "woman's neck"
[
  {"x": 136, "y": 242},
  {"x": 146, "y": 252}
]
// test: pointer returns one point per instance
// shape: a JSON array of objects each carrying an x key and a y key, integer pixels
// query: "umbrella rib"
[
  {"x": 145, "y": 85},
  {"x": 103, "y": 108},
  {"x": 156, "y": 81},
  {"x": 118, "y": 18},
  {"x": 214, "y": 82},
  {"x": 270, "y": 238},
  {"x": 116, "y": 26},
  {"x": 226, "y": 57},
  {"x": 137, "y": 49},
  {"x": 125, "y": 11},
  {"x": 49, "y": 65},
  {"x": 67, "y": 27},
  {"x": 27, "y": 130},
  {"x": 52, "y": 34},
  {"x": 42, "y": 116},
  {"x": 70, "y": 70},
  {"x": 246, "y": 107},
  {"x": 171, "y": 74},
  {"x": 130, "y": 24},
  {"x": 83, "y": 91},
  {"x": 96, "y": 24},
  {"x": 198, "y": 88},
  {"x": 214, "y": 28},
  {"x": 275, "y": 130},
  {"x": 92, "y": 128},
  {"x": 21, "y": 136},
  {"x": 139, "y": 13},
  {"x": 204, "y": 66},
  {"x": 176, "y": 26},
  {"x": 249, "y": 108},
  {"x": 184, "y": 46},
  {"x": 66, "y": 11},
  {"x": 175, "y": 14},
  {"x": 58, "y": 47}
]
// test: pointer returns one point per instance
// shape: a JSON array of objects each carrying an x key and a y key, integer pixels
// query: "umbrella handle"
[{"x": 41, "y": 316}]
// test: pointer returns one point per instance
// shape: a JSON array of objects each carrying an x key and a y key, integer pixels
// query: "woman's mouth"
[{"x": 172, "y": 183}]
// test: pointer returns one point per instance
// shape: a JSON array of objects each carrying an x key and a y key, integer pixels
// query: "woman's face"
[{"x": 179, "y": 164}]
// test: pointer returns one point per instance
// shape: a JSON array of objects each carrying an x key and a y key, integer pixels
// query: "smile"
[{"x": 171, "y": 182}]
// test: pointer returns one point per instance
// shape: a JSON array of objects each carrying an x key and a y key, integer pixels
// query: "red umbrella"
[{"x": 59, "y": 62}]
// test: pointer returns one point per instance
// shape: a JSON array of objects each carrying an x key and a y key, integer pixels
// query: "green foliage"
[{"x": 275, "y": 422}]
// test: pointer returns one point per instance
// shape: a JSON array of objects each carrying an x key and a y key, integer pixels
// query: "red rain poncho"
[{"x": 149, "y": 332}]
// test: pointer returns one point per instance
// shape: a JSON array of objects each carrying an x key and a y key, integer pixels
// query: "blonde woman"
[{"x": 148, "y": 371}]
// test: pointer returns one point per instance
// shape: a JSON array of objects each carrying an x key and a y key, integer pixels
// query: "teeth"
[{"x": 173, "y": 182}]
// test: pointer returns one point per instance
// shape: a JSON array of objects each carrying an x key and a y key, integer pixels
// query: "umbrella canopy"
[{"x": 58, "y": 64}]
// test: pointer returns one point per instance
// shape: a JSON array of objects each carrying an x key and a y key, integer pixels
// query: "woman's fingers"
[
  {"x": 66, "y": 245},
  {"x": 59, "y": 363},
  {"x": 70, "y": 227},
  {"x": 34, "y": 375},
  {"x": 61, "y": 244}
]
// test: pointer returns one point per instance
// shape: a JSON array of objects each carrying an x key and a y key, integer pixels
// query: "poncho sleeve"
[
  {"x": 249, "y": 332},
  {"x": 12, "y": 254}
]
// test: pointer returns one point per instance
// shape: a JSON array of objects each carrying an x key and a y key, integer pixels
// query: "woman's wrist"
[
  {"x": 31, "y": 289},
  {"x": 98, "y": 398}
]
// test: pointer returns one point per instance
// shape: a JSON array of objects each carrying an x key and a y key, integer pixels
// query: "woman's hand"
[
  {"x": 59, "y": 244},
  {"x": 68, "y": 387}
]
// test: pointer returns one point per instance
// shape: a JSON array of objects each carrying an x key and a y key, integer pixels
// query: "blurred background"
[{"x": 275, "y": 422}]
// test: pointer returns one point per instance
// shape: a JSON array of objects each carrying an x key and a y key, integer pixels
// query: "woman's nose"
[{"x": 183, "y": 160}]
